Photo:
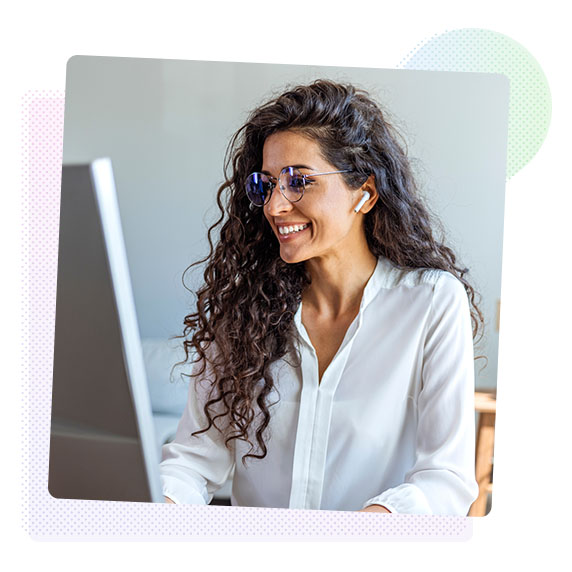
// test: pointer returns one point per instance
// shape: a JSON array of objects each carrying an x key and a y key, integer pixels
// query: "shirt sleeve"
[
  {"x": 193, "y": 468},
  {"x": 442, "y": 480}
]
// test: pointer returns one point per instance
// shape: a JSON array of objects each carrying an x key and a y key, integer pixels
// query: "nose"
[{"x": 277, "y": 204}]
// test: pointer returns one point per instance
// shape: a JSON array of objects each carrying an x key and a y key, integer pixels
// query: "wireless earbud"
[{"x": 365, "y": 197}]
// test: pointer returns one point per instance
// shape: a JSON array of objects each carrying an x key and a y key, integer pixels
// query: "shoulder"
[
  {"x": 448, "y": 292},
  {"x": 440, "y": 291},
  {"x": 440, "y": 282},
  {"x": 449, "y": 301},
  {"x": 443, "y": 283}
]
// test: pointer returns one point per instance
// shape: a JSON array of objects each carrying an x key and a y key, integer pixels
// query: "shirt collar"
[{"x": 376, "y": 281}]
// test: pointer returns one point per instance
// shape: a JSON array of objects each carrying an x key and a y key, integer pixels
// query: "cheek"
[
  {"x": 335, "y": 219},
  {"x": 340, "y": 204},
  {"x": 327, "y": 228}
]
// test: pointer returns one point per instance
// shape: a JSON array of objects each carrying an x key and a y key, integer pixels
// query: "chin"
[{"x": 293, "y": 257}]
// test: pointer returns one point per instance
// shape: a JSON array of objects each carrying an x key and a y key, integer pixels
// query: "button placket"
[
  {"x": 330, "y": 381},
  {"x": 305, "y": 428},
  {"x": 316, "y": 403}
]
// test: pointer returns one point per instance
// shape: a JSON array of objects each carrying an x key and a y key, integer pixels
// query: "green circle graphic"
[{"x": 477, "y": 50}]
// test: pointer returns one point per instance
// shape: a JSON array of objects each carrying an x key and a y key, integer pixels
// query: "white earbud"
[{"x": 365, "y": 197}]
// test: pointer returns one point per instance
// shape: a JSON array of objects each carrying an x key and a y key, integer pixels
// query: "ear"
[{"x": 369, "y": 186}]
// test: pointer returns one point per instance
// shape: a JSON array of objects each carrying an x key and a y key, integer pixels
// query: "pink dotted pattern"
[{"x": 45, "y": 517}]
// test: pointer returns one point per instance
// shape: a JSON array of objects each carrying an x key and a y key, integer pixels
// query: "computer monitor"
[{"x": 102, "y": 443}]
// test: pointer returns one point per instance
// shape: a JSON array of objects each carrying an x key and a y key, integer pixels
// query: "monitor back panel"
[{"x": 96, "y": 449}]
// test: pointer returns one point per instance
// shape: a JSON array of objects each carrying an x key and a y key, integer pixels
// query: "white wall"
[{"x": 166, "y": 124}]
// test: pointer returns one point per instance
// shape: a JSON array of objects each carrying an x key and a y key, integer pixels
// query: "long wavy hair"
[{"x": 243, "y": 321}]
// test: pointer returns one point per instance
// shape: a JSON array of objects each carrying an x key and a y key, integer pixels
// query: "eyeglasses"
[{"x": 291, "y": 182}]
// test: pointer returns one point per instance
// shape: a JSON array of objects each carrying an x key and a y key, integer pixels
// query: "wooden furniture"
[{"x": 486, "y": 407}]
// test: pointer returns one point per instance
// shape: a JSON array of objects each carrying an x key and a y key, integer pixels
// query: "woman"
[{"x": 333, "y": 344}]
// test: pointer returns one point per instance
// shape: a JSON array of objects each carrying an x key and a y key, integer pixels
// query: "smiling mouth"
[
  {"x": 286, "y": 233},
  {"x": 288, "y": 230}
]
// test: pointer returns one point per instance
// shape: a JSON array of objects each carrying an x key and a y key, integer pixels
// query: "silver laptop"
[{"x": 102, "y": 444}]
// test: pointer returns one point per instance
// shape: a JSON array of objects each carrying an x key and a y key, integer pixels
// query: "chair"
[{"x": 485, "y": 406}]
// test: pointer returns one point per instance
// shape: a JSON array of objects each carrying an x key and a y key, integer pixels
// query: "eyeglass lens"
[{"x": 258, "y": 188}]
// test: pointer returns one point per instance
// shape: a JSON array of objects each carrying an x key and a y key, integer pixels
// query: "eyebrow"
[{"x": 293, "y": 166}]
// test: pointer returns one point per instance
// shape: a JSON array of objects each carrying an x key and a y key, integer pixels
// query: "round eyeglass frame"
[{"x": 272, "y": 180}]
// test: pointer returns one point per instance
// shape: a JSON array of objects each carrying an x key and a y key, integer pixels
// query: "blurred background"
[{"x": 166, "y": 124}]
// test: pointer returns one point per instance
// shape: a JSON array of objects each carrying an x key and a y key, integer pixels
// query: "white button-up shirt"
[{"x": 390, "y": 423}]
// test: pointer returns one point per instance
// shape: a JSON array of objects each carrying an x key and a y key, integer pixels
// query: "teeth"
[{"x": 288, "y": 229}]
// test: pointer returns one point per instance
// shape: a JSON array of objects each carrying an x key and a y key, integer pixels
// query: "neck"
[{"x": 338, "y": 283}]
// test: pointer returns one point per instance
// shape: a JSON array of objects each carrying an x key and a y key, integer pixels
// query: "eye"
[{"x": 297, "y": 181}]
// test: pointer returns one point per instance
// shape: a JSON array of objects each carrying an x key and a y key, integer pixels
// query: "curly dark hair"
[{"x": 250, "y": 295}]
